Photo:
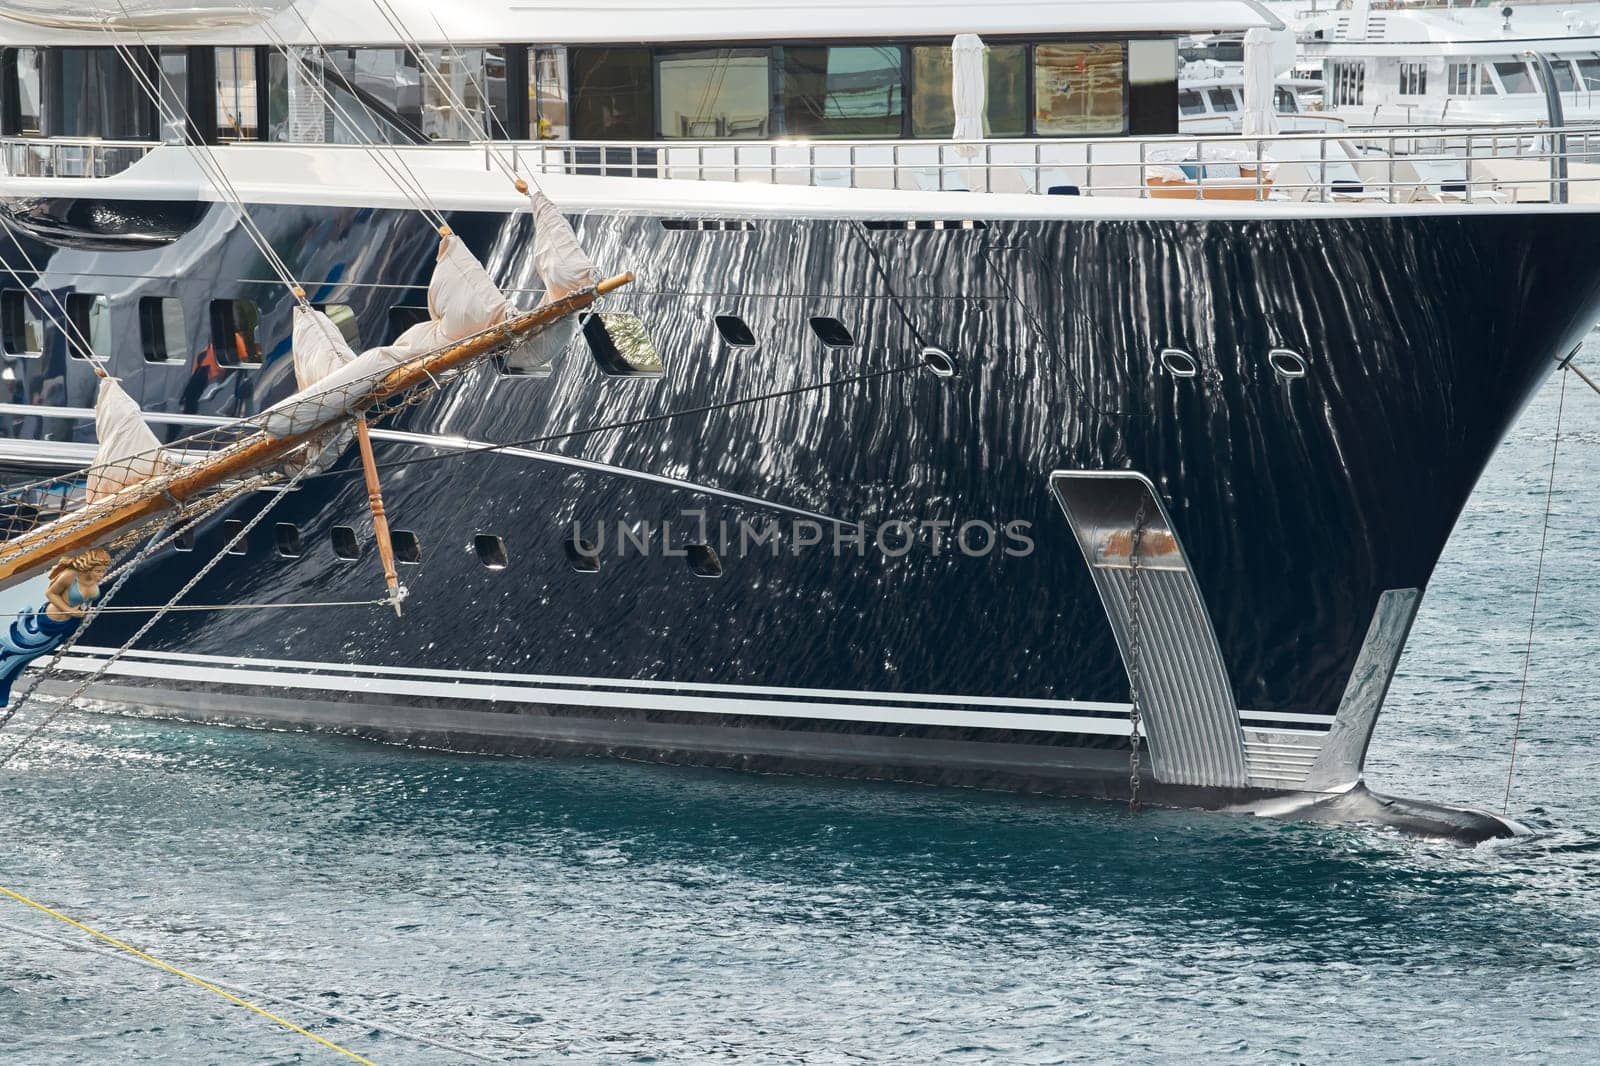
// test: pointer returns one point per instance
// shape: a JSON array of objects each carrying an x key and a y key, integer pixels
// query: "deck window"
[
  {"x": 92, "y": 93},
  {"x": 236, "y": 332},
  {"x": 548, "y": 96},
  {"x": 1223, "y": 102},
  {"x": 237, "y": 111},
  {"x": 1079, "y": 89},
  {"x": 21, "y": 324},
  {"x": 1589, "y": 73},
  {"x": 1566, "y": 80},
  {"x": 1285, "y": 101},
  {"x": 933, "y": 112},
  {"x": 848, "y": 91},
  {"x": 714, "y": 94},
  {"x": 23, "y": 95},
  {"x": 1469, "y": 79},
  {"x": 163, "y": 333},
  {"x": 612, "y": 90},
  {"x": 1190, "y": 102},
  {"x": 90, "y": 317},
  {"x": 1347, "y": 82},
  {"x": 1515, "y": 78},
  {"x": 1413, "y": 79}
]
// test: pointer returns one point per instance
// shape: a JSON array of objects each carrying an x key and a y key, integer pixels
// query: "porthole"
[
  {"x": 735, "y": 332},
  {"x": 345, "y": 545},
  {"x": 1179, "y": 363},
  {"x": 287, "y": 536},
  {"x": 407, "y": 548},
  {"x": 1286, "y": 364},
  {"x": 584, "y": 557},
  {"x": 491, "y": 551},
  {"x": 90, "y": 317},
  {"x": 231, "y": 529},
  {"x": 709, "y": 225},
  {"x": 939, "y": 362},
  {"x": 163, "y": 334},
  {"x": 621, "y": 345},
  {"x": 703, "y": 561},
  {"x": 832, "y": 332},
  {"x": 184, "y": 542}
]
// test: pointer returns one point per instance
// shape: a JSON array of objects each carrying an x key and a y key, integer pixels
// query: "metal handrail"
[{"x": 1394, "y": 164}]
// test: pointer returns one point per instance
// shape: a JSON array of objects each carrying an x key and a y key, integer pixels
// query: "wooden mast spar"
[{"x": 98, "y": 522}]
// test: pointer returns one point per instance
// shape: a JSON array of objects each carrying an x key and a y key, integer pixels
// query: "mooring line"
[
  {"x": 1538, "y": 580},
  {"x": 186, "y": 975}
]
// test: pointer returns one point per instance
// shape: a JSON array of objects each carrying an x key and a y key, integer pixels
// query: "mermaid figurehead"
[{"x": 74, "y": 585}]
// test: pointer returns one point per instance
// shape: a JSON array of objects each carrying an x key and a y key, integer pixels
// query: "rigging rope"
[
  {"x": 74, "y": 336},
  {"x": 121, "y": 945},
  {"x": 1538, "y": 578}
]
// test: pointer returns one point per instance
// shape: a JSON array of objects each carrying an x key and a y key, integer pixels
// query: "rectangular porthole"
[
  {"x": 402, "y": 317},
  {"x": 709, "y": 225},
  {"x": 832, "y": 332},
  {"x": 287, "y": 535},
  {"x": 90, "y": 316},
  {"x": 236, "y": 332},
  {"x": 163, "y": 334},
  {"x": 621, "y": 345},
  {"x": 703, "y": 560},
  {"x": 345, "y": 544},
  {"x": 407, "y": 548},
  {"x": 21, "y": 325},
  {"x": 892, "y": 224},
  {"x": 735, "y": 332},
  {"x": 184, "y": 542},
  {"x": 491, "y": 551},
  {"x": 230, "y": 529},
  {"x": 584, "y": 556},
  {"x": 344, "y": 316}
]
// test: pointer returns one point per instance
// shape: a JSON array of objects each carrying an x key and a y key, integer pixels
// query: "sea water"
[{"x": 584, "y": 910}]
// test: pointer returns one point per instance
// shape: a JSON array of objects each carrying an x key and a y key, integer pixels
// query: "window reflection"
[
  {"x": 715, "y": 93},
  {"x": 1079, "y": 89},
  {"x": 236, "y": 94},
  {"x": 850, "y": 91},
  {"x": 933, "y": 112},
  {"x": 547, "y": 94}
]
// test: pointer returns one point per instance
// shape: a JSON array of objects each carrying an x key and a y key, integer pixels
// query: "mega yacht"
[{"x": 1061, "y": 455}]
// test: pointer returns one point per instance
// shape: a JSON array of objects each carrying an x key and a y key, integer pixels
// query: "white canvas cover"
[
  {"x": 969, "y": 89},
  {"x": 129, "y": 452},
  {"x": 564, "y": 268},
  {"x": 1260, "y": 82}
]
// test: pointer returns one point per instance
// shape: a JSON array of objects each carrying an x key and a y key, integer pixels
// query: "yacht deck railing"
[{"x": 1495, "y": 164}]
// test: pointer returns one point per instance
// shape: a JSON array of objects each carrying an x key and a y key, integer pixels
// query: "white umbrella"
[
  {"x": 968, "y": 88},
  {"x": 1260, "y": 80}
]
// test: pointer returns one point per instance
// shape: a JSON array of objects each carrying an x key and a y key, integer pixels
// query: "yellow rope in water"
[{"x": 191, "y": 978}]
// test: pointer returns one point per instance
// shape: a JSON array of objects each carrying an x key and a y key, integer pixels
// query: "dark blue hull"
[{"x": 1299, "y": 501}]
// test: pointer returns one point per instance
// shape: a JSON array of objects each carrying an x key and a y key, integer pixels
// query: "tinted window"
[
  {"x": 1079, "y": 88},
  {"x": 90, "y": 316},
  {"x": 844, "y": 92},
  {"x": 715, "y": 93},
  {"x": 1222, "y": 100},
  {"x": 933, "y": 113},
  {"x": 23, "y": 324},
  {"x": 236, "y": 332},
  {"x": 95, "y": 95},
  {"x": 1190, "y": 103},
  {"x": 162, "y": 332},
  {"x": 1515, "y": 77},
  {"x": 611, "y": 94},
  {"x": 1589, "y": 71}
]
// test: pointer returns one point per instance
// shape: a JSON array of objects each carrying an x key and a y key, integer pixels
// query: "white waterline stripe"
[
  {"x": 546, "y": 680},
  {"x": 589, "y": 698}
]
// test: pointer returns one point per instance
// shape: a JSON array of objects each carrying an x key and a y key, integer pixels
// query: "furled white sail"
[
  {"x": 1260, "y": 85},
  {"x": 563, "y": 268},
  {"x": 129, "y": 452}
]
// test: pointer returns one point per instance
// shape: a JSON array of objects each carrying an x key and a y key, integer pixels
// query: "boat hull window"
[
  {"x": 163, "y": 334},
  {"x": 736, "y": 333},
  {"x": 703, "y": 560},
  {"x": 1078, "y": 89},
  {"x": 714, "y": 94},
  {"x": 612, "y": 90},
  {"x": 832, "y": 332},
  {"x": 582, "y": 555},
  {"x": 407, "y": 548},
  {"x": 232, "y": 528},
  {"x": 287, "y": 537},
  {"x": 236, "y": 332},
  {"x": 90, "y": 315},
  {"x": 345, "y": 544},
  {"x": 21, "y": 325},
  {"x": 621, "y": 345},
  {"x": 847, "y": 91},
  {"x": 491, "y": 551},
  {"x": 933, "y": 112}
]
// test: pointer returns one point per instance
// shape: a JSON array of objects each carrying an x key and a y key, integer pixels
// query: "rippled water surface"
[{"x": 592, "y": 911}]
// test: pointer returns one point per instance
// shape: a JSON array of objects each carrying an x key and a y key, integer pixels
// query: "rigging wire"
[
  {"x": 73, "y": 335},
  {"x": 1538, "y": 579},
  {"x": 124, "y": 946},
  {"x": 631, "y": 423}
]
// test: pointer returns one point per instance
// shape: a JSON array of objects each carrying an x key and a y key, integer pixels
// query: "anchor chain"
[{"x": 1135, "y": 716}]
